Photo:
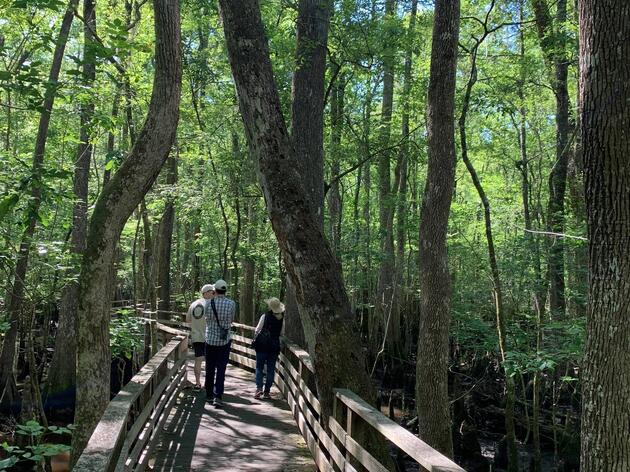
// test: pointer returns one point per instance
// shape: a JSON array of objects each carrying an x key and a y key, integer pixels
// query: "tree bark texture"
[
  {"x": 8, "y": 388},
  {"x": 435, "y": 282},
  {"x": 62, "y": 374},
  {"x": 115, "y": 204},
  {"x": 313, "y": 269},
  {"x": 165, "y": 240},
  {"x": 605, "y": 119},
  {"x": 307, "y": 121}
]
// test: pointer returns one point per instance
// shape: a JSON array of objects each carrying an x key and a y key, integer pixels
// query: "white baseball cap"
[{"x": 207, "y": 288}]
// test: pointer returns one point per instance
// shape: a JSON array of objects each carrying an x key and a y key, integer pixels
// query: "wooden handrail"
[
  {"x": 333, "y": 446},
  {"x": 418, "y": 450},
  {"x": 122, "y": 441},
  {"x": 302, "y": 398}
]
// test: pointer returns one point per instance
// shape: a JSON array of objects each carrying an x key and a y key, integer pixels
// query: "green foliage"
[
  {"x": 126, "y": 334},
  {"x": 37, "y": 450}
]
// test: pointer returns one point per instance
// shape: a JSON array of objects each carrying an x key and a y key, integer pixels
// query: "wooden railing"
[
  {"x": 128, "y": 431},
  {"x": 335, "y": 447}
]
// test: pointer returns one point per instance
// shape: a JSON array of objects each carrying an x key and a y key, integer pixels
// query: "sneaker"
[
  {"x": 197, "y": 388},
  {"x": 209, "y": 399},
  {"x": 258, "y": 394},
  {"x": 266, "y": 396},
  {"x": 217, "y": 403}
]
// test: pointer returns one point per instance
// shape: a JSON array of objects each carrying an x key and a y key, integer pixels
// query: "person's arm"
[
  {"x": 189, "y": 313},
  {"x": 259, "y": 326}
]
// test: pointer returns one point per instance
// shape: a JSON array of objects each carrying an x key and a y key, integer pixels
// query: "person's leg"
[
  {"x": 197, "y": 370},
  {"x": 271, "y": 370},
  {"x": 199, "y": 355},
  {"x": 261, "y": 358},
  {"x": 223, "y": 355},
  {"x": 210, "y": 369}
]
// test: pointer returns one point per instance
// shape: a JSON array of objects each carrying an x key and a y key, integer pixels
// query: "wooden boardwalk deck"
[{"x": 246, "y": 434}]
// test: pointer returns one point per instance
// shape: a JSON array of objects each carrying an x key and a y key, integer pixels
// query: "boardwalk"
[{"x": 247, "y": 434}]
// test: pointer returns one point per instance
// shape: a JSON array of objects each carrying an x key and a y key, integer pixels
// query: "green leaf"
[{"x": 7, "y": 203}]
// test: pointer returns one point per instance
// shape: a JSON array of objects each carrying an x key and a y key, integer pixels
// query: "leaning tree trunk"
[
  {"x": 8, "y": 388},
  {"x": 307, "y": 118},
  {"x": 313, "y": 269},
  {"x": 62, "y": 377},
  {"x": 432, "y": 401},
  {"x": 605, "y": 120},
  {"x": 116, "y": 203}
]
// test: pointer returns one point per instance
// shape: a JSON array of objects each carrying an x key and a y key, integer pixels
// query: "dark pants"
[
  {"x": 265, "y": 359},
  {"x": 216, "y": 361}
]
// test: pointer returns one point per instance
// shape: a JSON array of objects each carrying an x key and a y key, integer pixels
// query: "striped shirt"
[{"x": 226, "y": 308}]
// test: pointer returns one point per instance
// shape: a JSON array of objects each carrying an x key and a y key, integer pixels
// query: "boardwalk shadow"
[{"x": 247, "y": 434}]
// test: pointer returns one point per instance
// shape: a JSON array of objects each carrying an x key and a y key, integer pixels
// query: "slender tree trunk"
[
  {"x": 111, "y": 136},
  {"x": 385, "y": 287},
  {"x": 308, "y": 259},
  {"x": 115, "y": 204},
  {"x": 553, "y": 43},
  {"x": 432, "y": 400},
  {"x": 8, "y": 388},
  {"x": 307, "y": 133},
  {"x": 501, "y": 323},
  {"x": 164, "y": 243},
  {"x": 62, "y": 378},
  {"x": 334, "y": 196},
  {"x": 605, "y": 120},
  {"x": 401, "y": 177}
]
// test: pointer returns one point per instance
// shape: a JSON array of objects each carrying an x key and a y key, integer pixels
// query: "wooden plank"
[
  {"x": 322, "y": 463},
  {"x": 140, "y": 421},
  {"x": 244, "y": 327},
  {"x": 310, "y": 396},
  {"x": 103, "y": 448},
  {"x": 246, "y": 361},
  {"x": 417, "y": 449},
  {"x": 173, "y": 331},
  {"x": 243, "y": 349},
  {"x": 242, "y": 339},
  {"x": 129, "y": 459},
  {"x": 164, "y": 415},
  {"x": 365, "y": 458}
]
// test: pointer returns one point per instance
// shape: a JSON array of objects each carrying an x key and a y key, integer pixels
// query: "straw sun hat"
[{"x": 275, "y": 305}]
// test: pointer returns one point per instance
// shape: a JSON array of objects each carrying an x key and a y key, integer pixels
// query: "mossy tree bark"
[
  {"x": 313, "y": 269},
  {"x": 432, "y": 400},
  {"x": 307, "y": 133},
  {"x": 62, "y": 377},
  {"x": 115, "y": 204},
  {"x": 605, "y": 120}
]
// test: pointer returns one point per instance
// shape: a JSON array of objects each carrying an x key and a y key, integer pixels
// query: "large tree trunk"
[
  {"x": 313, "y": 269},
  {"x": 8, "y": 389},
  {"x": 164, "y": 243},
  {"x": 605, "y": 120},
  {"x": 116, "y": 203},
  {"x": 307, "y": 133},
  {"x": 435, "y": 282},
  {"x": 62, "y": 377}
]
